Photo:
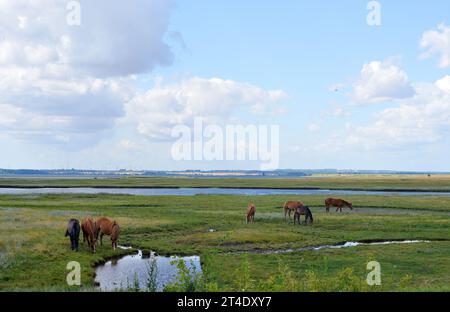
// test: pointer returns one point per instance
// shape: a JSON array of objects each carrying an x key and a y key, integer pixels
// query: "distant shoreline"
[{"x": 226, "y": 187}]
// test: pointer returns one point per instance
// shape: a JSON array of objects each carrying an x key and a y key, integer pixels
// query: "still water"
[{"x": 206, "y": 191}]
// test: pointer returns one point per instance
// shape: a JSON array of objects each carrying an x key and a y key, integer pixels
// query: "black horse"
[
  {"x": 73, "y": 230},
  {"x": 303, "y": 210}
]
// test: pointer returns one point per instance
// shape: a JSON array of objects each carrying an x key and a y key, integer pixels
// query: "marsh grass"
[
  {"x": 283, "y": 279},
  {"x": 152, "y": 274},
  {"x": 34, "y": 251},
  {"x": 436, "y": 182}
]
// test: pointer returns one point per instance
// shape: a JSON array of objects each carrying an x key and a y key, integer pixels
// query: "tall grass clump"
[{"x": 152, "y": 273}]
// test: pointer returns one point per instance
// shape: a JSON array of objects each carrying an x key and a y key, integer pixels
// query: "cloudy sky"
[{"x": 107, "y": 93}]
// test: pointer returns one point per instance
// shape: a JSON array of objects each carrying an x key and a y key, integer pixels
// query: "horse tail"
[{"x": 310, "y": 216}]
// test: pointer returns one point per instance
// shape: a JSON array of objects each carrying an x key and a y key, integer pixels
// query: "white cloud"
[
  {"x": 444, "y": 84},
  {"x": 337, "y": 111},
  {"x": 61, "y": 83},
  {"x": 157, "y": 111},
  {"x": 45, "y": 107},
  {"x": 72, "y": 131},
  {"x": 114, "y": 38},
  {"x": 437, "y": 42},
  {"x": 423, "y": 119},
  {"x": 313, "y": 127},
  {"x": 128, "y": 144},
  {"x": 381, "y": 81}
]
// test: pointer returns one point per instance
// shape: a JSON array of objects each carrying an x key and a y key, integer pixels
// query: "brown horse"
[
  {"x": 303, "y": 211},
  {"x": 251, "y": 209},
  {"x": 108, "y": 227},
  {"x": 291, "y": 206},
  {"x": 339, "y": 203},
  {"x": 89, "y": 228}
]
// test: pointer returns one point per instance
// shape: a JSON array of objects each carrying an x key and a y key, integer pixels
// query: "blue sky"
[{"x": 107, "y": 93}]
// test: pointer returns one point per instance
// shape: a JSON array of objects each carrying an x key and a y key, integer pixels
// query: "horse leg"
[
  {"x": 88, "y": 240},
  {"x": 101, "y": 239},
  {"x": 92, "y": 242}
]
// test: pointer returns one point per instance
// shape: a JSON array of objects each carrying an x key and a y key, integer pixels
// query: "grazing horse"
[
  {"x": 305, "y": 211},
  {"x": 251, "y": 209},
  {"x": 108, "y": 227},
  {"x": 339, "y": 203},
  {"x": 73, "y": 230},
  {"x": 89, "y": 228},
  {"x": 291, "y": 206}
]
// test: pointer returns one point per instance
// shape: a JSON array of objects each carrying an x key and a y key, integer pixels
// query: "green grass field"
[
  {"x": 356, "y": 182},
  {"x": 34, "y": 251}
]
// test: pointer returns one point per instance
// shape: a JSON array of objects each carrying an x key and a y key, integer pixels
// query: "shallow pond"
[
  {"x": 199, "y": 191},
  {"x": 119, "y": 274}
]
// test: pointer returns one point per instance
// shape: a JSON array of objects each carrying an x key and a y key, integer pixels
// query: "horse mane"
[{"x": 115, "y": 224}]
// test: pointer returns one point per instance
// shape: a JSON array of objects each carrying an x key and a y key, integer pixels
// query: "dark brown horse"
[
  {"x": 108, "y": 227},
  {"x": 89, "y": 228},
  {"x": 251, "y": 209},
  {"x": 303, "y": 211},
  {"x": 73, "y": 231},
  {"x": 336, "y": 202},
  {"x": 291, "y": 206}
]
